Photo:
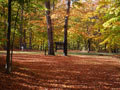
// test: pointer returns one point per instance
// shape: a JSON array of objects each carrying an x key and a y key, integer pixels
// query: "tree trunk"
[
  {"x": 105, "y": 47},
  {"x": 66, "y": 27},
  {"x": 89, "y": 45},
  {"x": 30, "y": 39},
  {"x": 49, "y": 29},
  {"x": 78, "y": 44},
  {"x": 21, "y": 26},
  {"x": 43, "y": 45},
  {"x": 8, "y": 38}
]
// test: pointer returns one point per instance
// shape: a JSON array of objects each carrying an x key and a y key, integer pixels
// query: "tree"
[
  {"x": 111, "y": 26},
  {"x": 8, "y": 69},
  {"x": 49, "y": 28},
  {"x": 21, "y": 24},
  {"x": 66, "y": 27}
]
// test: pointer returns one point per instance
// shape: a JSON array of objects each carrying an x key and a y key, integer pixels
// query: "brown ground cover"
[{"x": 39, "y": 72}]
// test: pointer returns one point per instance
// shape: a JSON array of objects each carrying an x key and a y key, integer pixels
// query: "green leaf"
[{"x": 117, "y": 11}]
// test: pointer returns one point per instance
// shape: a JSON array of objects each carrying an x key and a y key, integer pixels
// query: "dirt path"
[{"x": 39, "y": 72}]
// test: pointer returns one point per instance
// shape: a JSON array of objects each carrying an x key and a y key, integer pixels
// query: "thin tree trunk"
[
  {"x": 89, "y": 45},
  {"x": 30, "y": 39},
  {"x": 78, "y": 44},
  {"x": 43, "y": 46},
  {"x": 8, "y": 38},
  {"x": 49, "y": 29},
  {"x": 66, "y": 27},
  {"x": 21, "y": 26}
]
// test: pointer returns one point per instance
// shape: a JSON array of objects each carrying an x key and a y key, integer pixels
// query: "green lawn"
[{"x": 69, "y": 53}]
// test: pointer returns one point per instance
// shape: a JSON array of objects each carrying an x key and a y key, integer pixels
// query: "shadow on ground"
[{"x": 39, "y": 72}]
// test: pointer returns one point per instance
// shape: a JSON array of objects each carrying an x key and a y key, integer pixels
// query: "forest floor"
[{"x": 73, "y": 72}]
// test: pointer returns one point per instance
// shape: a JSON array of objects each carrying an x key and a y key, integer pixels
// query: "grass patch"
[
  {"x": 85, "y": 53},
  {"x": 61, "y": 53},
  {"x": 23, "y": 52}
]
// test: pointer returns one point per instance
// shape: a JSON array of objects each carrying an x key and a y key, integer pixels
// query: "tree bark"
[
  {"x": 8, "y": 38},
  {"x": 78, "y": 44},
  {"x": 89, "y": 45},
  {"x": 49, "y": 29},
  {"x": 30, "y": 39},
  {"x": 43, "y": 45},
  {"x": 21, "y": 26},
  {"x": 66, "y": 27}
]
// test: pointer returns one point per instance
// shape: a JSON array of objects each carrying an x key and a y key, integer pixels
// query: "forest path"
[{"x": 81, "y": 72}]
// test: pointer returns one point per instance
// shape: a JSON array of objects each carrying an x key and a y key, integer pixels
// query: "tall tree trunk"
[
  {"x": 21, "y": 26},
  {"x": 66, "y": 27},
  {"x": 49, "y": 29},
  {"x": 43, "y": 45},
  {"x": 8, "y": 38},
  {"x": 78, "y": 44},
  {"x": 89, "y": 45},
  {"x": 30, "y": 39}
]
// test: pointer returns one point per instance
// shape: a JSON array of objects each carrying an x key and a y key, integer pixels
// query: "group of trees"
[
  {"x": 98, "y": 25},
  {"x": 93, "y": 25},
  {"x": 29, "y": 23},
  {"x": 26, "y": 17}
]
